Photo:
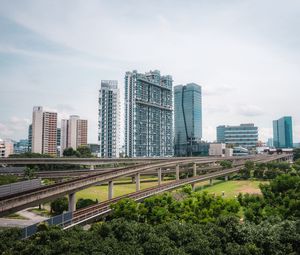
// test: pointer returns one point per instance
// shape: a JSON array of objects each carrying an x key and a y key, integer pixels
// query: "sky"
[{"x": 244, "y": 53}]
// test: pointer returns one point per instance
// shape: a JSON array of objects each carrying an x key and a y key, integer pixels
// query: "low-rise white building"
[{"x": 217, "y": 149}]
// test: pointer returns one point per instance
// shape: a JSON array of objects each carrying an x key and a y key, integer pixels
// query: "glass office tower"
[
  {"x": 148, "y": 114},
  {"x": 188, "y": 117},
  {"x": 283, "y": 132}
]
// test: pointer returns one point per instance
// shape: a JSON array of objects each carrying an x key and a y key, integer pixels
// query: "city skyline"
[{"x": 251, "y": 77}]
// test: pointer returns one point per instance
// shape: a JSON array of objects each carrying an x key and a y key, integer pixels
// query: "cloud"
[
  {"x": 249, "y": 110},
  {"x": 14, "y": 126},
  {"x": 217, "y": 91}
]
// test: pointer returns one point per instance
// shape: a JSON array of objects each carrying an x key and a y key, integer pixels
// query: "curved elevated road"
[
  {"x": 19, "y": 201},
  {"x": 90, "y": 213}
]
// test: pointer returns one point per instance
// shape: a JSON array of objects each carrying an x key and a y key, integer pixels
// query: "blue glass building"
[
  {"x": 188, "y": 118},
  {"x": 283, "y": 132}
]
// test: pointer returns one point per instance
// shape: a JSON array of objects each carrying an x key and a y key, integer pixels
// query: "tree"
[
  {"x": 226, "y": 164},
  {"x": 59, "y": 205},
  {"x": 30, "y": 173},
  {"x": 70, "y": 152},
  {"x": 81, "y": 203},
  {"x": 296, "y": 154},
  {"x": 84, "y": 152}
]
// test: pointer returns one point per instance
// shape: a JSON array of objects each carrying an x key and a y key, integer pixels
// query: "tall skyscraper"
[
  {"x": 44, "y": 131},
  {"x": 37, "y": 130},
  {"x": 283, "y": 132},
  {"x": 148, "y": 114},
  {"x": 73, "y": 133},
  {"x": 245, "y": 135},
  {"x": 109, "y": 119},
  {"x": 188, "y": 117}
]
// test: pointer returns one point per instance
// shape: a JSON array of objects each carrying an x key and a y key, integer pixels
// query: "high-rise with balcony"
[
  {"x": 73, "y": 133},
  {"x": 187, "y": 117},
  {"x": 148, "y": 114},
  {"x": 44, "y": 131},
  {"x": 283, "y": 132},
  {"x": 109, "y": 119},
  {"x": 245, "y": 135}
]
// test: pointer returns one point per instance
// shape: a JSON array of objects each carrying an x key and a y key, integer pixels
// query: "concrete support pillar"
[
  {"x": 138, "y": 181},
  {"x": 72, "y": 203},
  {"x": 210, "y": 182},
  {"x": 177, "y": 172},
  {"x": 194, "y": 169},
  {"x": 226, "y": 178},
  {"x": 110, "y": 190},
  {"x": 193, "y": 186},
  {"x": 159, "y": 176},
  {"x": 92, "y": 167}
]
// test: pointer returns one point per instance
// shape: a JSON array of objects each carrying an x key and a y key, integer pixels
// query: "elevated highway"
[
  {"x": 90, "y": 213},
  {"x": 44, "y": 194}
]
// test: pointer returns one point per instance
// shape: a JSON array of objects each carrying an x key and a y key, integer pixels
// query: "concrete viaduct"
[
  {"x": 90, "y": 213},
  {"x": 34, "y": 197}
]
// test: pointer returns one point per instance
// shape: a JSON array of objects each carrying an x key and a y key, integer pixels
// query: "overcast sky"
[{"x": 244, "y": 53}]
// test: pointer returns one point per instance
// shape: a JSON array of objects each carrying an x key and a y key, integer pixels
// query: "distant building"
[
  {"x": 296, "y": 145},
  {"x": 30, "y": 137},
  {"x": 58, "y": 138},
  {"x": 44, "y": 131},
  {"x": 148, "y": 114},
  {"x": 94, "y": 147},
  {"x": 73, "y": 133},
  {"x": 283, "y": 132},
  {"x": 270, "y": 143},
  {"x": 240, "y": 151},
  {"x": 187, "y": 117},
  {"x": 6, "y": 148},
  {"x": 217, "y": 149},
  {"x": 245, "y": 135},
  {"x": 109, "y": 119},
  {"x": 21, "y": 146}
]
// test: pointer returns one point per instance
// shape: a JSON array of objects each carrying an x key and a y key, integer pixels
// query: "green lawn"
[
  {"x": 230, "y": 188},
  {"x": 101, "y": 192}
]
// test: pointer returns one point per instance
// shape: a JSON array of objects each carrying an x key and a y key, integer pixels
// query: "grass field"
[
  {"x": 101, "y": 192},
  {"x": 231, "y": 188}
]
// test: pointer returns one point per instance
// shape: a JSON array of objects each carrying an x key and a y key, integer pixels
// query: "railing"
[
  {"x": 14, "y": 188},
  {"x": 61, "y": 220}
]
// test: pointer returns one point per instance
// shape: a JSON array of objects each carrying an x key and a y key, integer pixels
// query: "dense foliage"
[
  {"x": 192, "y": 223},
  {"x": 225, "y": 236},
  {"x": 59, "y": 205},
  {"x": 81, "y": 152},
  {"x": 195, "y": 208},
  {"x": 7, "y": 179},
  {"x": 81, "y": 203}
]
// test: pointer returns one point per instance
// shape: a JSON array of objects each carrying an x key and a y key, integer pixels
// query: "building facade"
[
  {"x": 6, "y": 148},
  {"x": 21, "y": 146},
  {"x": 109, "y": 119},
  {"x": 30, "y": 137},
  {"x": 148, "y": 114},
  {"x": 187, "y": 117},
  {"x": 245, "y": 135},
  {"x": 73, "y": 133},
  {"x": 283, "y": 132},
  {"x": 44, "y": 131}
]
